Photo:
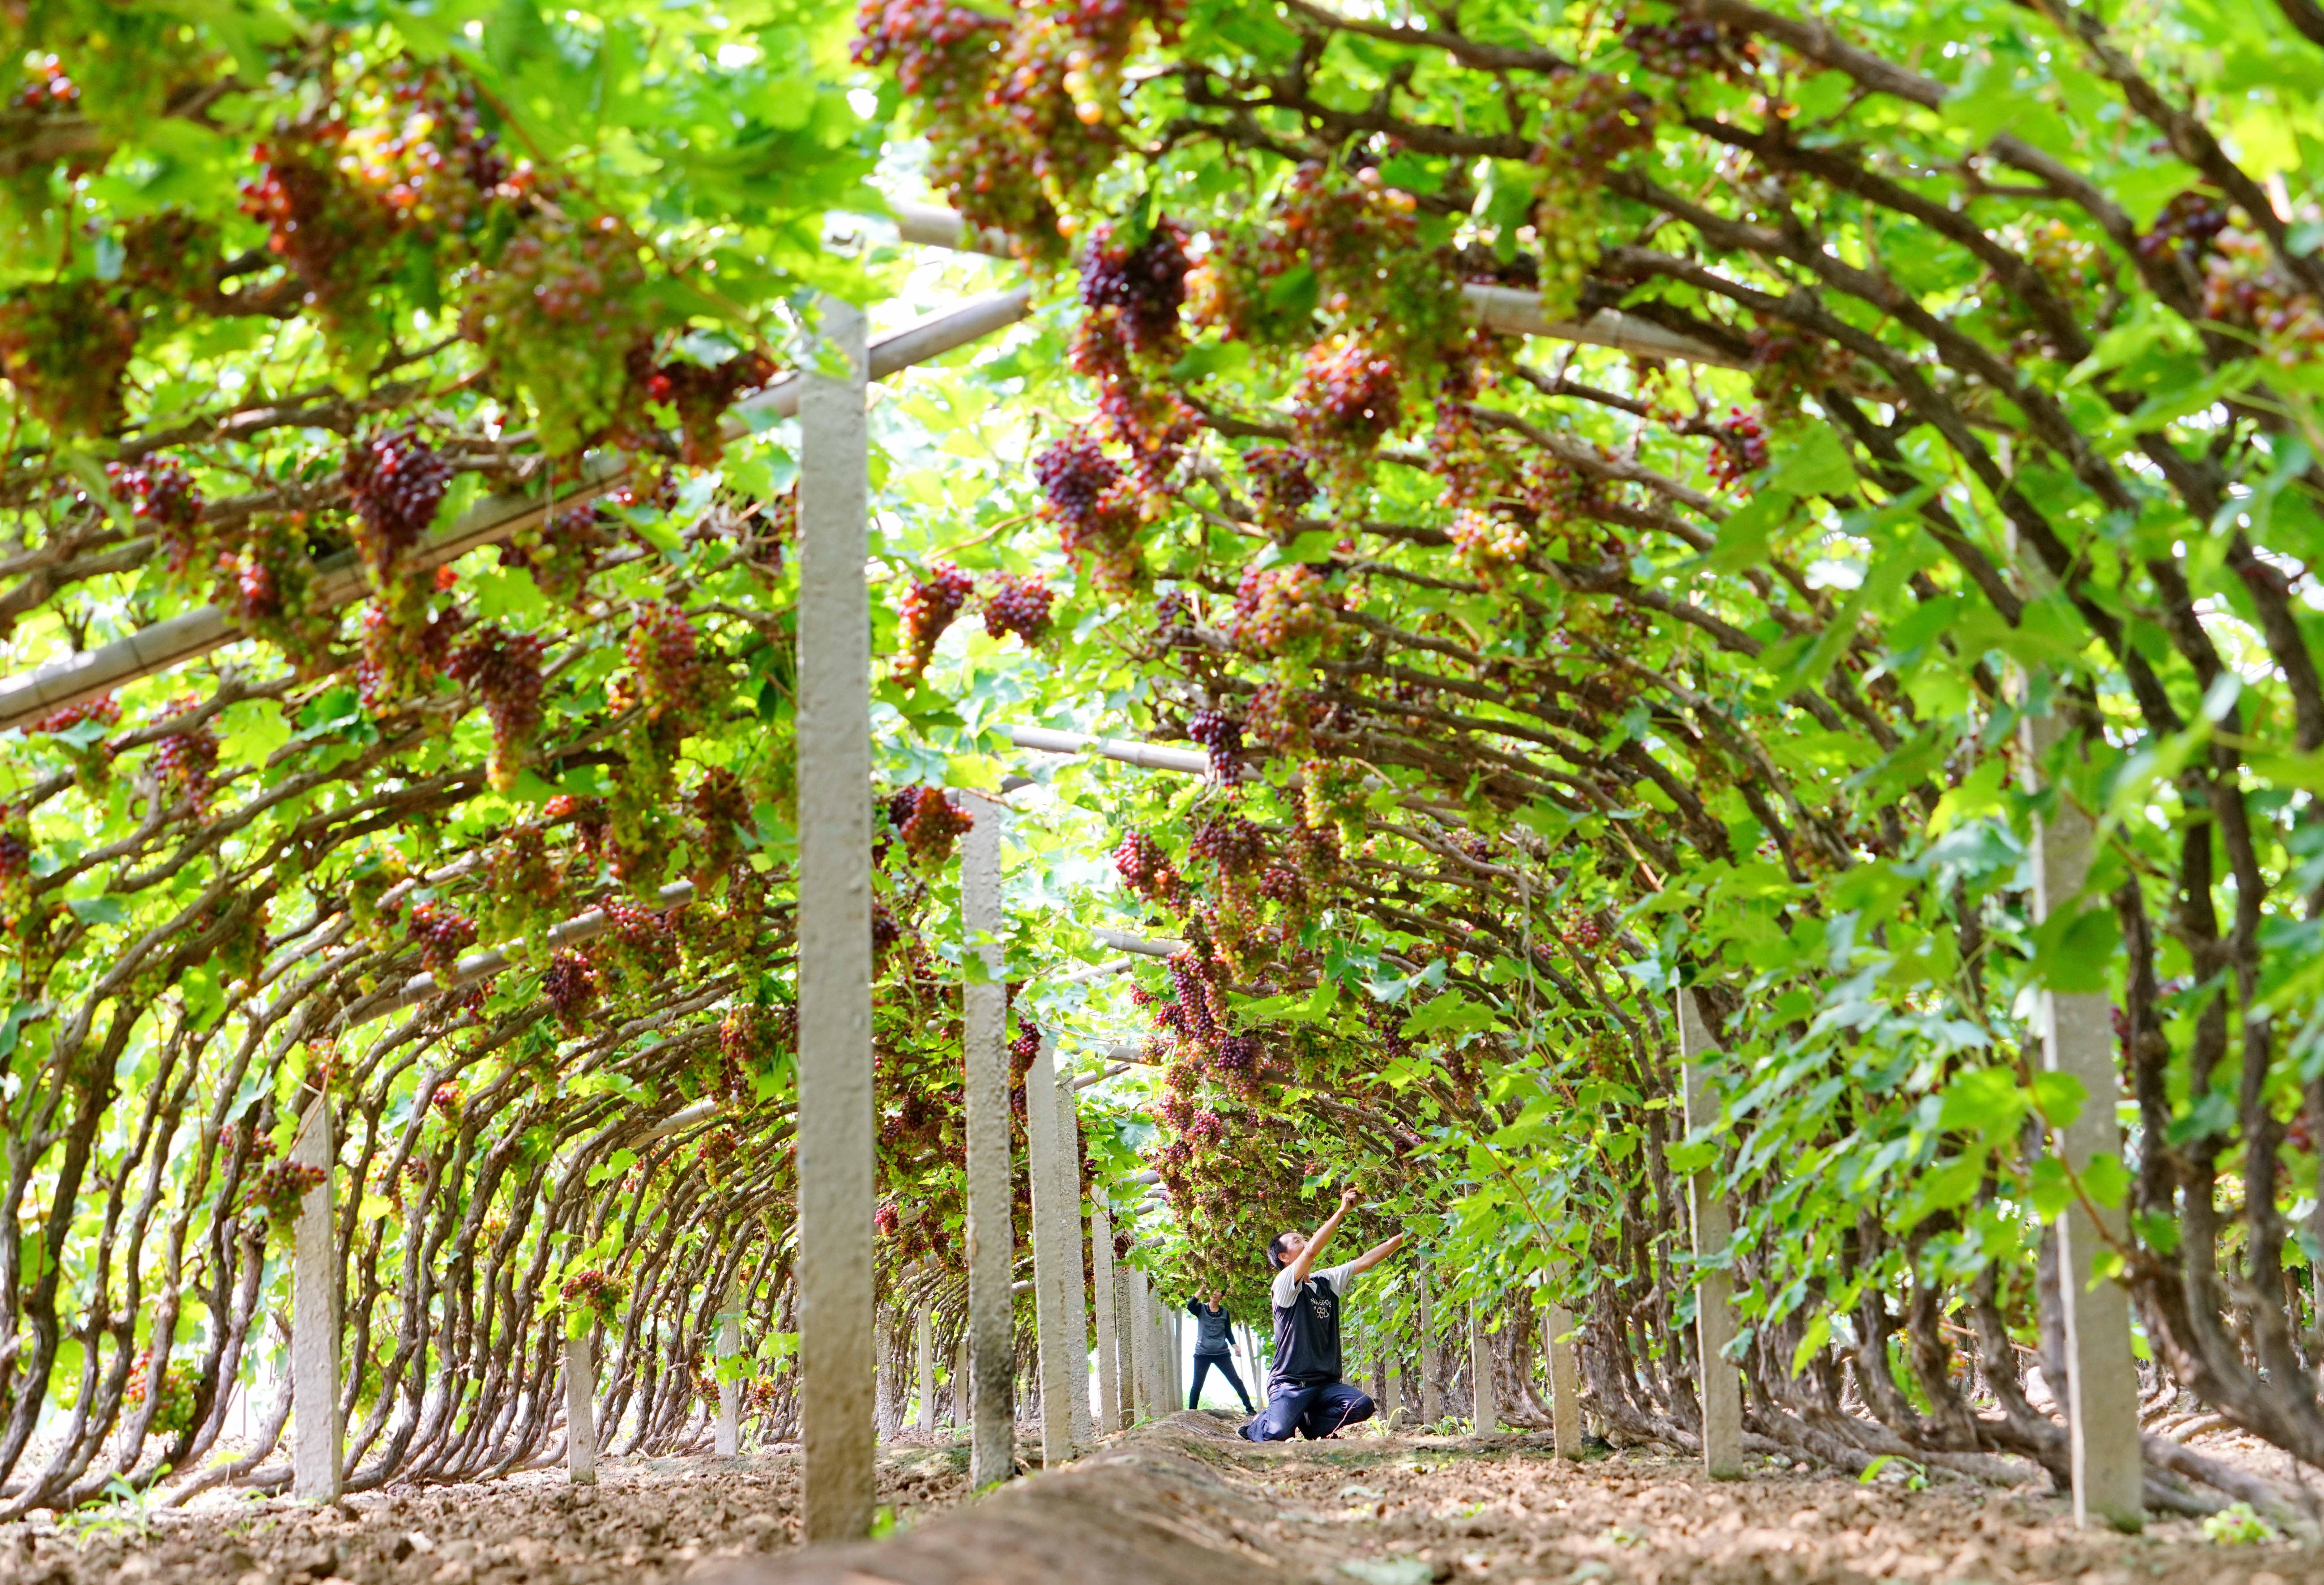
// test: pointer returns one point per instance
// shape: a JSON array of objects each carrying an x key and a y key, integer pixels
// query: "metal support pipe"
[{"x": 835, "y": 1197}]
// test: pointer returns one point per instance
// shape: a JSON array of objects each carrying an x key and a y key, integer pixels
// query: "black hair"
[{"x": 1275, "y": 1253}]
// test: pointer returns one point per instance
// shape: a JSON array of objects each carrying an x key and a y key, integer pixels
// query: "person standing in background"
[{"x": 1213, "y": 1349}]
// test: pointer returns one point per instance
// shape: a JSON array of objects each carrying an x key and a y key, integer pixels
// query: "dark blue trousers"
[
  {"x": 1316, "y": 1411},
  {"x": 1224, "y": 1365}
]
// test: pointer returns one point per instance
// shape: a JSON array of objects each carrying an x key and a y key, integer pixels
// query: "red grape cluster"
[
  {"x": 885, "y": 931},
  {"x": 1095, "y": 508},
  {"x": 571, "y": 986},
  {"x": 104, "y": 708},
  {"x": 1195, "y": 996},
  {"x": 1019, "y": 605},
  {"x": 644, "y": 940},
  {"x": 1388, "y": 1023},
  {"x": 1282, "y": 483},
  {"x": 449, "y": 1099},
  {"x": 278, "y": 1188},
  {"x": 505, "y": 669},
  {"x": 443, "y": 934},
  {"x": 932, "y": 826},
  {"x": 932, "y": 43},
  {"x": 664, "y": 653},
  {"x": 1488, "y": 544},
  {"x": 559, "y": 318},
  {"x": 328, "y": 231},
  {"x": 175, "y": 1411},
  {"x": 2245, "y": 284},
  {"x": 1230, "y": 842},
  {"x": 701, "y": 394},
  {"x": 65, "y": 346},
  {"x": 1579, "y": 929},
  {"x": 432, "y": 166},
  {"x": 165, "y": 498},
  {"x": 929, "y": 607},
  {"x": 2187, "y": 226},
  {"x": 1147, "y": 871},
  {"x": 598, "y": 1292},
  {"x": 400, "y": 657},
  {"x": 49, "y": 88},
  {"x": 1141, "y": 288},
  {"x": 1605, "y": 118},
  {"x": 184, "y": 761},
  {"x": 1348, "y": 399},
  {"x": 15, "y": 861},
  {"x": 1282, "y": 719},
  {"x": 1283, "y": 884},
  {"x": 1741, "y": 448},
  {"x": 398, "y": 481},
  {"x": 1220, "y": 735},
  {"x": 1278, "y": 610},
  {"x": 1024, "y": 1047},
  {"x": 1687, "y": 48}
]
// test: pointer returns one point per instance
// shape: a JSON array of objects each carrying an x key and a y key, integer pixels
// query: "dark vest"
[{"x": 1308, "y": 1335}]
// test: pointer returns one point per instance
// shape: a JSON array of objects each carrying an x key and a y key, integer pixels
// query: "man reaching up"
[{"x": 1304, "y": 1390}]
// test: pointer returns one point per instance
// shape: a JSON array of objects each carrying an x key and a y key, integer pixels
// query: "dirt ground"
[
  {"x": 1184, "y": 1503},
  {"x": 646, "y": 1522}
]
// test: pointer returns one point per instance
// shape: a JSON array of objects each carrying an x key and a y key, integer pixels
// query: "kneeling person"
[{"x": 1304, "y": 1393}]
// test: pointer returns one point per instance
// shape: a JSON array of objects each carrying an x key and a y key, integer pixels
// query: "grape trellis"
[{"x": 1692, "y": 624}]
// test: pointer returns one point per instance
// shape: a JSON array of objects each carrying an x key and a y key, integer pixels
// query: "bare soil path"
[{"x": 1181, "y": 1503}]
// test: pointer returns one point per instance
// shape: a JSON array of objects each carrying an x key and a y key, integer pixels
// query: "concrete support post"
[
  {"x": 1721, "y": 1386},
  {"x": 1102, "y": 1287},
  {"x": 581, "y": 1411},
  {"x": 1564, "y": 1385},
  {"x": 2076, "y": 1034},
  {"x": 1487, "y": 1415},
  {"x": 1072, "y": 1295},
  {"x": 1177, "y": 1346},
  {"x": 834, "y": 731},
  {"x": 990, "y": 1380},
  {"x": 1432, "y": 1387},
  {"x": 1383, "y": 1377},
  {"x": 1049, "y": 1253},
  {"x": 1125, "y": 1346},
  {"x": 729, "y": 1436},
  {"x": 315, "y": 1431},
  {"x": 924, "y": 1351},
  {"x": 1141, "y": 1343}
]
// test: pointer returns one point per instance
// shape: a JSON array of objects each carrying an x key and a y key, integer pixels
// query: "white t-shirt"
[{"x": 1340, "y": 1276}]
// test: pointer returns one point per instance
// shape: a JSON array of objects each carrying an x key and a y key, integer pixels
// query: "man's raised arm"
[
  {"x": 1376, "y": 1254},
  {"x": 1305, "y": 1261}
]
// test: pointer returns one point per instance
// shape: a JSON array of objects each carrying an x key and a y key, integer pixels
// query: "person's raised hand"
[{"x": 1348, "y": 1198}]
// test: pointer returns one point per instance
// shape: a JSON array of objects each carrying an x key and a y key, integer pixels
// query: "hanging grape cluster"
[
  {"x": 1019, "y": 605},
  {"x": 505, "y": 669},
  {"x": 927, "y": 609}
]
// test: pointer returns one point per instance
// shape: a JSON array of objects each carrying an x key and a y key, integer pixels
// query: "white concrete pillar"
[
  {"x": 1432, "y": 1386},
  {"x": 1073, "y": 1297},
  {"x": 992, "y": 1380},
  {"x": 1176, "y": 1343},
  {"x": 834, "y": 734},
  {"x": 1050, "y": 1247},
  {"x": 1383, "y": 1377},
  {"x": 729, "y": 1436},
  {"x": 1721, "y": 1386},
  {"x": 1564, "y": 1385},
  {"x": 1101, "y": 1286},
  {"x": 581, "y": 1410},
  {"x": 1487, "y": 1414},
  {"x": 959, "y": 1382},
  {"x": 1141, "y": 1346},
  {"x": 2077, "y": 1034},
  {"x": 1125, "y": 1346},
  {"x": 315, "y": 1430},
  {"x": 924, "y": 1347}
]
